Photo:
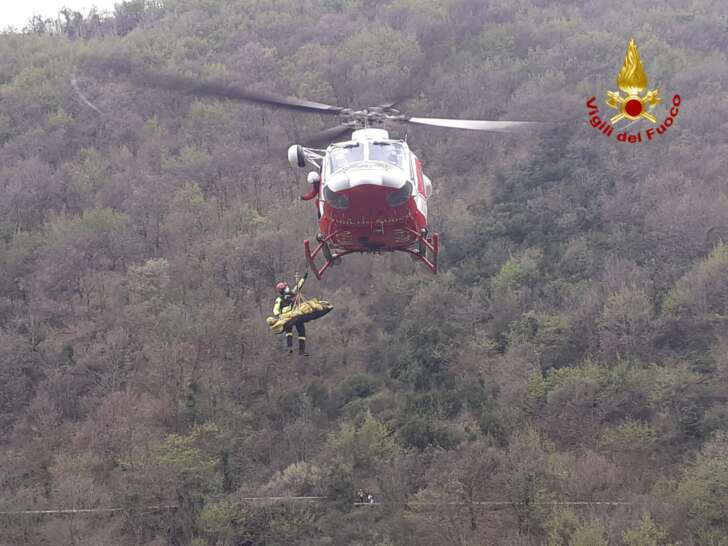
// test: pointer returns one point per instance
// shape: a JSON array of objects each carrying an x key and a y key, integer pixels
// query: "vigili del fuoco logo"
[{"x": 635, "y": 105}]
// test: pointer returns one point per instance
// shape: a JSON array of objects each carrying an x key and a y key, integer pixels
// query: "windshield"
[
  {"x": 343, "y": 156},
  {"x": 391, "y": 153}
]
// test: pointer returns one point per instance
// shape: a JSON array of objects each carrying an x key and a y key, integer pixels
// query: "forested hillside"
[{"x": 573, "y": 347}]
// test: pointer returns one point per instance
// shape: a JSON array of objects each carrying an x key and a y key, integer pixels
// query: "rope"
[{"x": 299, "y": 299}]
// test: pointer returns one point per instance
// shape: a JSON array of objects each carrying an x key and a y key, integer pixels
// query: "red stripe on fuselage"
[
  {"x": 420, "y": 179},
  {"x": 369, "y": 223}
]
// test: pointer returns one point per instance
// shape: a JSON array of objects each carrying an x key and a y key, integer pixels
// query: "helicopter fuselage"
[{"x": 372, "y": 197}]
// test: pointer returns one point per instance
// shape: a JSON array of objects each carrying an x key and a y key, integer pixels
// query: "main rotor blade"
[
  {"x": 479, "y": 125},
  {"x": 327, "y": 136},
  {"x": 224, "y": 90},
  {"x": 397, "y": 101}
]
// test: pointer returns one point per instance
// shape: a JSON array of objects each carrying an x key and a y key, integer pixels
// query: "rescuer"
[{"x": 285, "y": 302}]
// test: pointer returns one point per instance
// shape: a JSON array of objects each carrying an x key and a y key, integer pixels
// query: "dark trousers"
[{"x": 300, "y": 330}]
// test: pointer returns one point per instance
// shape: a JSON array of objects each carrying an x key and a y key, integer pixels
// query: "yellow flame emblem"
[{"x": 632, "y": 79}]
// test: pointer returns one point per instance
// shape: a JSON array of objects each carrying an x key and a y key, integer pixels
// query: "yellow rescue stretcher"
[{"x": 303, "y": 311}]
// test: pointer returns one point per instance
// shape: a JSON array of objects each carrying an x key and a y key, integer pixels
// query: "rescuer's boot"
[
  {"x": 289, "y": 343},
  {"x": 302, "y": 347}
]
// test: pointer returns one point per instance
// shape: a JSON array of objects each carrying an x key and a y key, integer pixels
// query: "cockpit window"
[
  {"x": 343, "y": 156},
  {"x": 389, "y": 152}
]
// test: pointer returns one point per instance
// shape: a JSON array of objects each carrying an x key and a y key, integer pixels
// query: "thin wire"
[
  {"x": 83, "y": 510},
  {"x": 280, "y": 498},
  {"x": 70, "y": 511},
  {"x": 511, "y": 503}
]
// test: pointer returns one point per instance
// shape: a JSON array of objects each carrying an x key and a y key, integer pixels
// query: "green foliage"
[
  {"x": 206, "y": 123},
  {"x": 365, "y": 444},
  {"x": 580, "y": 401},
  {"x": 560, "y": 526},
  {"x": 528, "y": 495},
  {"x": 305, "y": 70},
  {"x": 99, "y": 229},
  {"x": 565, "y": 528},
  {"x": 219, "y": 520},
  {"x": 432, "y": 10},
  {"x": 703, "y": 491},
  {"x": 702, "y": 291},
  {"x": 646, "y": 534},
  {"x": 626, "y": 373},
  {"x": 341, "y": 5},
  {"x": 518, "y": 271},
  {"x": 189, "y": 458},
  {"x": 626, "y": 323},
  {"x": 424, "y": 432},
  {"x": 536, "y": 390},
  {"x": 193, "y": 165},
  {"x": 479, "y": 394},
  {"x": 628, "y": 436},
  {"x": 19, "y": 370},
  {"x": 339, "y": 481},
  {"x": 547, "y": 334},
  {"x": 148, "y": 282},
  {"x": 178, "y": 452},
  {"x": 426, "y": 346},
  {"x": 294, "y": 524},
  {"x": 318, "y": 395},
  {"x": 382, "y": 57},
  {"x": 589, "y": 534},
  {"x": 358, "y": 386},
  {"x": 301, "y": 478},
  {"x": 497, "y": 42},
  {"x": 89, "y": 175}
]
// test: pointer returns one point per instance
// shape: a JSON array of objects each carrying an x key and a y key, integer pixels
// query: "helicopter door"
[{"x": 422, "y": 193}]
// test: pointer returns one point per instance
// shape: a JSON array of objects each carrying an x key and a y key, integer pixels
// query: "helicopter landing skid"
[
  {"x": 323, "y": 247},
  {"x": 423, "y": 245},
  {"x": 427, "y": 252}
]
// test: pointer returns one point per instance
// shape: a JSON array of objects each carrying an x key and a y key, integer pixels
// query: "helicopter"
[
  {"x": 370, "y": 196},
  {"x": 369, "y": 190}
]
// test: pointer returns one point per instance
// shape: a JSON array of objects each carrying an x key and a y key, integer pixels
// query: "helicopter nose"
[
  {"x": 394, "y": 178},
  {"x": 385, "y": 179}
]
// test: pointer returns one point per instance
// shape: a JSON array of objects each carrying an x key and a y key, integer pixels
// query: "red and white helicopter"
[
  {"x": 369, "y": 191},
  {"x": 371, "y": 196}
]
